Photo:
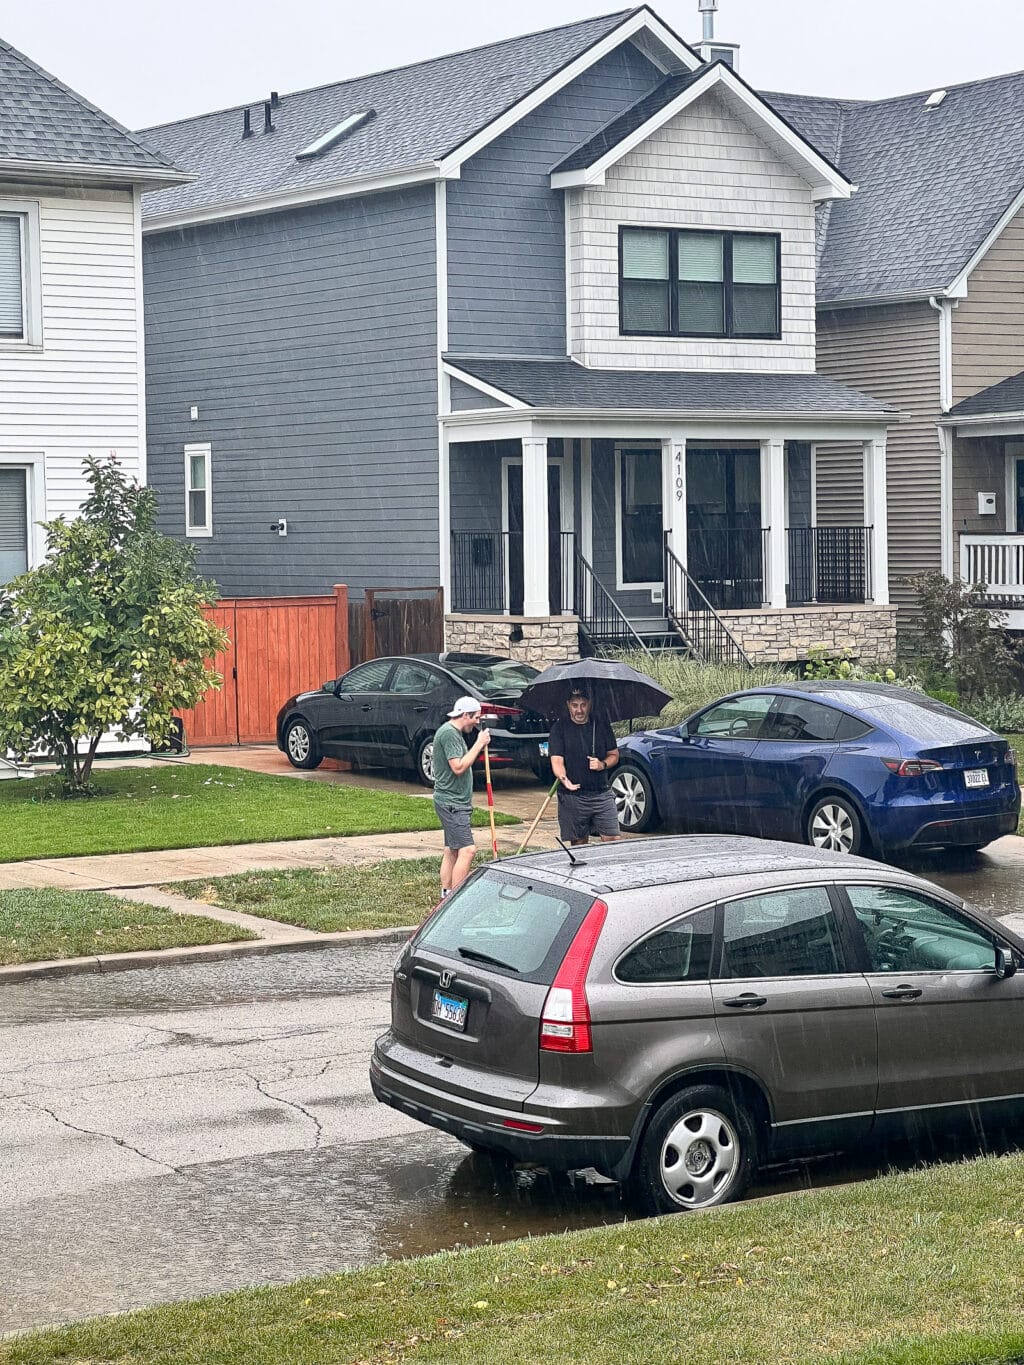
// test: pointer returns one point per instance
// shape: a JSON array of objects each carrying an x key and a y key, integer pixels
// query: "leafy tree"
[
  {"x": 960, "y": 640},
  {"x": 107, "y": 634}
]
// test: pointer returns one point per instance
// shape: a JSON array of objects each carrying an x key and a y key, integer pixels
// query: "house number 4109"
[{"x": 680, "y": 484}]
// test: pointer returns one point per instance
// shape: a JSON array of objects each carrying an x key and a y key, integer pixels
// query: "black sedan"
[{"x": 383, "y": 713}]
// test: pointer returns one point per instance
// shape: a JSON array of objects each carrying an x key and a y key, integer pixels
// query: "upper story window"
[
  {"x": 198, "y": 506},
  {"x": 20, "y": 315},
  {"x": 678, "y": 282}
]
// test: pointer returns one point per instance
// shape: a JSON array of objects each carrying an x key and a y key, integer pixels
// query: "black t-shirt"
[{"x": 575, "y": 743}]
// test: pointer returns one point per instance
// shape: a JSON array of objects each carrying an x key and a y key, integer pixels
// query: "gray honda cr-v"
[{"x": 675, "y": 1012}]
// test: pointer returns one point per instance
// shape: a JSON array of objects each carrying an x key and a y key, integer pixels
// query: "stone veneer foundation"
[
  {"x": 537, "y": 640},
  {"x": 785, "y": 635}
]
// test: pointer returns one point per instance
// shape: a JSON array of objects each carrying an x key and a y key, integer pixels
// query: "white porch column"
[
  {"x": 876, "y": 515},
  {"x": 587, "y": 520},
  {"x": 536, "y": 599},
  {"x": 773, "y": 518},
  {"x": 675, "y": 497}
]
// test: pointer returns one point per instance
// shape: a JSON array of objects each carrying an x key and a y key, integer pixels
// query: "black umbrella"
[{"x": 617, "y": 691}]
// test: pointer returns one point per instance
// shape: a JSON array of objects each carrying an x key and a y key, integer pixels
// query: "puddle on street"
[{"x": 995, "y": 885}]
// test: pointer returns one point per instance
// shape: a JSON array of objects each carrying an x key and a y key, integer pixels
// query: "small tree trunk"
[{"x": 86, "y": 768}]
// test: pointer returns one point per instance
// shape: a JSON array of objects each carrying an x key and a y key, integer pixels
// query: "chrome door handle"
[
  {"x": 903, "y": 993},
  {"x": 366, "y": 708},
  {"x": 421, "y": 708},
  {"x": 747, "y": 1001}
]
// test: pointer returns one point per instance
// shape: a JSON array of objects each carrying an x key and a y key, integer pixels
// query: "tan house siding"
[
  {"x": 891, "y": 353},
  {"x": 988, "y": 325},
  {"x": 979, "y": 466}
]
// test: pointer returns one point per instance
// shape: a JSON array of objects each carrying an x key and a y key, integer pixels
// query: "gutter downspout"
[{"x": 944, "y": 308}]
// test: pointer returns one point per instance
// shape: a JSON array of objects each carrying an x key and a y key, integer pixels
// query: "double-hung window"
[
  {"x": 198, "y": 505},
  {"x": 13, "y": 321},
  {"x": 13, "y": 522},
  {"x": 678, "y": 282}
]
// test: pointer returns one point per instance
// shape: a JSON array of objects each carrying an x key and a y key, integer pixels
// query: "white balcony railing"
[{"x": 998, "y": 562}]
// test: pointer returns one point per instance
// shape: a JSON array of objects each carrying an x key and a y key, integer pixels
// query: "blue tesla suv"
[{"x": 849, "y": 766}]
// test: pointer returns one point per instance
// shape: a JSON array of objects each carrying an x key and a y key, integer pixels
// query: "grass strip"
[
  {"x": 382, "y": 895},
  {"x": 43, "y": 925},
  {"x": 822, "y": 1276},
  {"x": 197, "y": 805},
  {"x": 957, "y": 1348}
]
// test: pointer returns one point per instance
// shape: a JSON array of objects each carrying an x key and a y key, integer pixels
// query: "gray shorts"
[
  {"x": 581, "y": 814},
  {"x": 455, "y": 821}
]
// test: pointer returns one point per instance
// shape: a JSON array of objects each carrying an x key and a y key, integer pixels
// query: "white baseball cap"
[{"x": 465, "y": 706}]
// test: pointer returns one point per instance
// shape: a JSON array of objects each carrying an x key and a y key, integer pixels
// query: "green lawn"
[
  {"x": 867, "y": 1273},
  {"x": 196, "y": 805},
  {"x": 39, "y": 925},
  {"x": 381, "y": 895}
]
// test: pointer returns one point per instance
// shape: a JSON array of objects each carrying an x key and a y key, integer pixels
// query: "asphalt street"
[{"x": 189, "y": 1129}]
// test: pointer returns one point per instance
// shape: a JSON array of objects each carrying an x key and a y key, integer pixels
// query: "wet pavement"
[{"x": 177, "y": 1131}]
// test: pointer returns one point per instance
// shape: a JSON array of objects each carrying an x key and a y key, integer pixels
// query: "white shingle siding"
[
  {"x": 80, "y": 393},
  {"x": 702, "y": 169}
]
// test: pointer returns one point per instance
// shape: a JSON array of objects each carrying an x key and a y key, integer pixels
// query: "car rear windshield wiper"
[{"x": 486, "y": 957}]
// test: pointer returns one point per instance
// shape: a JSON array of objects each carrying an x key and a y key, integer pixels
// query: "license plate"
[
  {"x": 450, "y": 1009},
  {"x": 543, "y": 747},
  {"x": 976, "y": 777}
]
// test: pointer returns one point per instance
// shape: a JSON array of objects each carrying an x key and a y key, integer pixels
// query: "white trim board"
[
  {"x": 34, "y": 462},
  {"x": 488, "y": 390},
  {"x": 826, "y": 181}
]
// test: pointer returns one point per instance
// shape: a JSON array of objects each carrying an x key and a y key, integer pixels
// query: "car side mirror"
[
  {"x": 331, "y": 685},
  {"x": 1006, "y": 962}
]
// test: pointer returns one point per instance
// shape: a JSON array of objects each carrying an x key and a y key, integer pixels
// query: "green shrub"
[
  {"x": 961, "y": 640},
  {"x": 823, "y": 663},
  {"x": 999, "y": 711},
  {"x": 949, "y": 695}
]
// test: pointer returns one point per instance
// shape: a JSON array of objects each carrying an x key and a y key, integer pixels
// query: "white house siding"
[
  {"x": 704, "y": 168},
  {"x": 81, "y": 393}
]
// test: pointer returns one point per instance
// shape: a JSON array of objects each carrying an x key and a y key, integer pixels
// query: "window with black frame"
[{"x": 690, "y": 283}]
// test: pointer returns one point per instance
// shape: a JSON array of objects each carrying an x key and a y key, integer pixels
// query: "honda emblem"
[{"x": 446, "y": 979}]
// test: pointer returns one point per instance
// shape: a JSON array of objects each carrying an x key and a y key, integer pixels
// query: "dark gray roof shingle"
[
  {"x": 42, "y": 120},
  {"x": 564, "y": 384},
  {"x": 423, "y": 112},
  {"x": 1007, "y": 396},
  {"x": 594, "y": 148},
  {"x": 932, "y": 183}
]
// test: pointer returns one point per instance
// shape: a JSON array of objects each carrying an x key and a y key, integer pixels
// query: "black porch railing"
[
  {"x": 603, "y": 624},
  {"x": 728, "y": 564},
  {"x": 829, "y": 564},
  {"x": 479, "y": 571},
  {"x": 706, "y": 635}
]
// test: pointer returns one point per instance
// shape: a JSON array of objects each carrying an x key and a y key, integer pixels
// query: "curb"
[{"x": 207, "y": 952}]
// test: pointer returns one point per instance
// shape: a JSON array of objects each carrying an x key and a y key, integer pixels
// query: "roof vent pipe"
[
  {"x": 707, "y": 9},
  {"x": 268, "y": 121},
  {"x": 275, "y": 99},
  {"x": 246, "y": 123}
]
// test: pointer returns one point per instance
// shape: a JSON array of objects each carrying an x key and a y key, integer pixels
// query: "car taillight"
[
  {"x": 494, "y": 712},
  {"x": 1011, "y": 757},
  {"x": 912, "y": 767},
  {"x": 565, "y": 1019}
]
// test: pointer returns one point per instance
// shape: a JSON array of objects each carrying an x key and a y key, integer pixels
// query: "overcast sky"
[{"x": 147, "y": 62}]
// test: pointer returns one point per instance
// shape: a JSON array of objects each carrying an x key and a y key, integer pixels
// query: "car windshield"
[
  {"x": 508, "y": 922},
  {"x": 495, "y": 677}
]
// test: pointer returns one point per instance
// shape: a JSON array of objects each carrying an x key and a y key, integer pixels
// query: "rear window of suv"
[{"x": 507, "y": 924}]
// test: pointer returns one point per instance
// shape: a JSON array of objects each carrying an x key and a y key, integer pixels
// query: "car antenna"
[{"x": 568, "y": 852}]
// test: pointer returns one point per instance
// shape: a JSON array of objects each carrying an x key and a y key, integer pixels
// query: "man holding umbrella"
[{"x": 582, "y": 749}]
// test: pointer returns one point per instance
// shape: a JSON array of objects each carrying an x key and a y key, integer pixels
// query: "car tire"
[
  {"x": 423, "y": 761},
  {"x": 302, "y": 746},
  {"x": 634, "y": 799},
  {"x": 833, "y": 823},
  {"x": 699, "y": 1151}
]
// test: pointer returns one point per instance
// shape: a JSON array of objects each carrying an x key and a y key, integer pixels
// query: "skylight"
[
  {"x": 334, "y": 135},
  {"x": 935, "y": 99}
]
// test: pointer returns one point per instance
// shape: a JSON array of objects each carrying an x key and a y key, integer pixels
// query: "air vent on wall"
[{"x": 334, "y": 135}]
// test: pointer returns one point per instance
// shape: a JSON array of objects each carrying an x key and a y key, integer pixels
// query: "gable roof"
[
  {"x": 428, "y": 117},
  {"x": 588, "y": 163},
  {"x": 1005, "y": 399},
  {"x": 565, "y": 385},
  {"x": 48, "y": 131},
  {"x": 933, "y": 185}
]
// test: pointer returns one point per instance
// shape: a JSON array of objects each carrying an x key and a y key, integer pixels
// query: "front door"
[
  {"x": 723, "y": 525},
  {"x": 514, "y": 527}
]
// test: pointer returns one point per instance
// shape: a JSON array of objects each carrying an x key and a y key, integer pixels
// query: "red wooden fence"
[{"x": 277, "y": 646}]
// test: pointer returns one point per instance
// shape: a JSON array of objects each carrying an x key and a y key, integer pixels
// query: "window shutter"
[
  {"x": 13, "y": 524},
  {"x": 753, "y": 260},
  {"x": 12, "y": 322},
  {"x": 645, "y": 255},
  {"x": 700, "y": 256}
]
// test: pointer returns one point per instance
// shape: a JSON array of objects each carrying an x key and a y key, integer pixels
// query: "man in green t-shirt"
[{"x": 453, "y": 789}]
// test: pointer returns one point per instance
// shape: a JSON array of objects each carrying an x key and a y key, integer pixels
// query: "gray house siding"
[
  {"x": 464, "y": 398},
  {"x": 506, "y": 230},
  {"x": 307, "y": 341}
]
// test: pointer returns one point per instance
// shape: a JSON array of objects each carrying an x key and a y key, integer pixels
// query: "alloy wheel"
[
  {"x": 699, "y": 1158},
  {"x": 427, "y": 761},
  {"x": 832, "y": 828},
  {"x": 630, "y": 799},
  {"x": 298, "y": 743}
]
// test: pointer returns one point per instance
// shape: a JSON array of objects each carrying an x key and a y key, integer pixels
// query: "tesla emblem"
[{"x": 446, "y": 980}]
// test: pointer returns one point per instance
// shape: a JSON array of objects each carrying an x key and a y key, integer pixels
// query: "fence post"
[
  {"x": 342, "y": 653},
  {"x": 369, "y": 626}
]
